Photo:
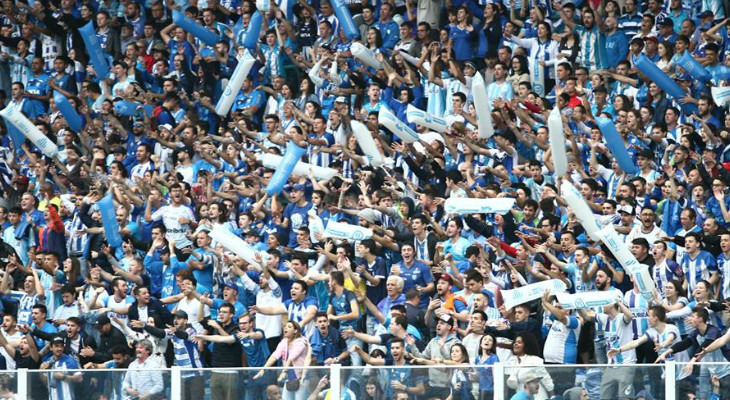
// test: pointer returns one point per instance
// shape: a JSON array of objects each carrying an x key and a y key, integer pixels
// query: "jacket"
[{"x": 86, "y": 341}]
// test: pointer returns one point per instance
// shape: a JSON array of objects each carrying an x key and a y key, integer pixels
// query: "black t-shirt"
[
  {"x": 25, "y": 362},
  {"x": 306, "y": 32},
  {"x": 226, "y": 355}
]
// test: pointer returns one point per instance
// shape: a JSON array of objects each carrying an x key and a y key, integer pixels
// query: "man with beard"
[
  {"x": 590, "y": 35},
  {"x": 177, "y": 218},
  {"x": 300, "y": 308},
  {"x": 59, "y": 383}
]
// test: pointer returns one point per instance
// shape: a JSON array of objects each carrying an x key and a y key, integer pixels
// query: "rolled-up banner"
[
  {"x": 365, "y": 56},
  {"x": 254, "y": 30},
  {"x": 588, "y": 299},
  {"x": 263, "y": 5},
  {"x": 316, "y": 226},
  {"x": 282, "y": 173},
  {"x": 693, "y": 67},
  {"x": 96, "y": 54},
  {"x": 537, "y": 77},
  {"x": 367, "y": 143},
  {"x": 15, "y": 117},
  {"x": 345, "y": 19},
  {"x": 126, "y": 108},
  {"x": 497, "y": 205},
  {"x": 533, "y": 291},
  {"x": 390, "y": 121},
  {"x": 482, "y": 106},
  {"x": 346, "y": 231},
  {"x": 639, "y": 272},
  {"x": 225, "y": 102},
  {"x": 420, "y": 117},
  {"x": 192, "y": 27},
  {"x": 616, "y": 145},
  {"x": 272, "y": 161},
  {"x": 557, "y": 142},
  {"x": 238, "y": 246},
  {"x": 67, "y": 110},
  {"x": 581, "y": 210},
  {"x": 648, "y": 68},
  {"x": 721, "y": 95},
  {"x": 109, "y": 220}
]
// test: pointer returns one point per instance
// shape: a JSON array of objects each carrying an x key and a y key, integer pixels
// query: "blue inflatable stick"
[
  {"x": 648, "y": 68},
  {"x": 720, "y": 73},
  {"x": 125, "y": 108},
  {"x": 616, "y": 145},
  {"x": 253, "y": 32},
  {"x": 204, "y": 34},
  {"x": 292, "y": 156},
  {"x": 345, "y": 19},
  {"x": 693, "y": 67},
  {"x": 109, "y": 220},
  {"x": 96, "y": 54},
  {"x": 64, "y": 106}
]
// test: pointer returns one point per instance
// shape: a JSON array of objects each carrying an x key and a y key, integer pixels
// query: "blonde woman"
[{"x": 293, "y": 350}]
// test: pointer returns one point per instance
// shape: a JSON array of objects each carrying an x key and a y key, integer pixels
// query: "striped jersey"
[
  {"x": 187, "y": 355},
  {"x": 697, "y": 268},
  {"x": 618, "y": 333},
  {"x": 639, "y": 306}
]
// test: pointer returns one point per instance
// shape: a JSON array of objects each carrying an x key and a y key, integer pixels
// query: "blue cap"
[{"x": 298, "y": 186}]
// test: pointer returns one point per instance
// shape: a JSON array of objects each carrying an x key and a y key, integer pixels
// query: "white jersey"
[
  {"x": 176, "y": 231},
  {"x": 9, "y": 361},
  {"x": 655, "y": 337},
  {"x": 618, "y": 332}
]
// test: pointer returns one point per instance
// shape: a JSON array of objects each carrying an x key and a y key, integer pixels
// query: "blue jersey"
[
  {"x": 187, "y": 355},
  {"x": 256, "y": 350},
  {"x": 342, "y": 305},
  {"x": 723, "y": 268},
  {"x": 697, "y": 268},
  {"x": 298, "y": 311},
  {"x": 37, "y": 85},
  {"x": 62, "y": 389},
  {"x": 639, "y": 306},
  {"x": 25, "y": 305},
  {"x": 418, "y": 274}
]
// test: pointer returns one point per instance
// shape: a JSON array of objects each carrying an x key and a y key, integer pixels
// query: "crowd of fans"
[{"x": 426, "y": 288}]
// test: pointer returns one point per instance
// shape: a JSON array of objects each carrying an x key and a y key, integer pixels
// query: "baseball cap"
[
  {"x": 529, "y": 376},
  {"x": 446, "y": 318},
  {"x": 298, "y": 186},
  {"x": 165, "y": 126},
  {"x": 341, "y": 99},
  {"x": 446, "y": 277},
  {"x": 102, "y": 320},
  {"x": 232, "y": 286},
  {"x": 181, "y": 314},
  {"x": 651, "y": 38},
  {"x": 626, "y": 209},
  {"x": 705, "y": 14},
  {"x": 57, "y": 339},
  {"x": 369, "y": 215},
  {"x": 667, "y": 22}
]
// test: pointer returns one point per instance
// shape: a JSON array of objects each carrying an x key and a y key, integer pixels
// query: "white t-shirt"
[
  {"x": 112, "y": 302},
  {"x": 9, "y": 361},
  {"x": 192, "y": 308},
  {"x": 176, "y": 231}
]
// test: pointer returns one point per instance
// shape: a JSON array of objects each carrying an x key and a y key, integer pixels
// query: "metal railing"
[{"x": 21, "y": 382}]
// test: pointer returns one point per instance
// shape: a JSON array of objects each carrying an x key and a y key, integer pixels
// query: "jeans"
[
  {"x": 300, "y": 394},
  {"x": 354, "y": 356}
]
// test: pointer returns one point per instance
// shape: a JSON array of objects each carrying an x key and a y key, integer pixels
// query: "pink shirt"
[{"x": 297, "y": 353}]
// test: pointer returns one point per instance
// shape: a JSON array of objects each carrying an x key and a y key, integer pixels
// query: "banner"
[
  {"x": 272, "y": 161},
  {"x": 588, "y": 299},
  {"x": 316, "y": 226},
  {"x": 417, "y": 116},
  {"x": 225, "y": 102},
  {"x": 365, "y": 56},
  {"x": 534, "y": 291},
  {"x": 28, "y": 129},
  {"x": 126, "y": 108},
  {"x": 192, "y": 27},
  {"x": 537, "y": 77},
  {"x": 347, "y": 231},
  {"x": 653, "y": 73},
  {"x": 238, "y": 246},
  {"x": 96, "y": 54},
  {"x": 721, "y": 95},
  {"x": 581, "y": 210},
  {"x": 497, "y": 205},
  {"x": 69, "y": 113},
  {"x": 283, "y": 171},
  {"x": 557, "y": 142},
  {"x": 616, "y": 145},
  {"x": 367, "y": 143},
  {"x": 482, "y": 106},
  {"x": 639, "y": 272},
  {"x": 109, "y": 221},
  {"x": 393, "y": 124}
]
